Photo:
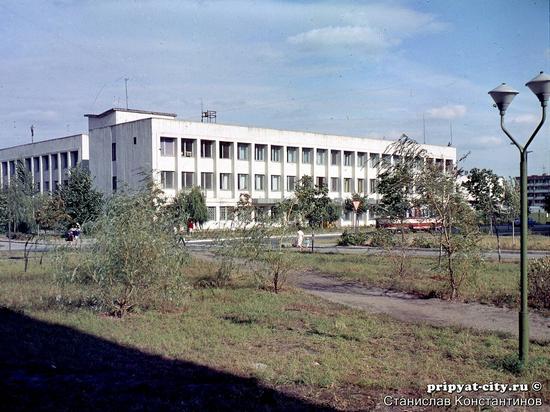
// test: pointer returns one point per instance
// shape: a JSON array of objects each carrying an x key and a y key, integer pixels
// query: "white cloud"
[
  {"x": 524, "y": 119},
  {"x": 483, "y": 142},
  {"x": 447, "y": 112},
  {"x": 371, "y": 39},
  {"x": 374, "y": 28}
]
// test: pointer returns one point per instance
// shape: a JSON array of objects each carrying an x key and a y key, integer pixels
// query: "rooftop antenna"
[
  {"x": 32, "y": 133},
  {"x": 126, "y": 87},
  {"x": 208, "y": 116},
  {"x": 451, "y": 132}
]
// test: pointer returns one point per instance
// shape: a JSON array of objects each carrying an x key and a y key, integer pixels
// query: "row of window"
[
  {"x": 226, "y": 213},
  {"x": 35, "y": 162},
  {"x": 243, "y": 182},
  {"x": 225, "y": 151}
]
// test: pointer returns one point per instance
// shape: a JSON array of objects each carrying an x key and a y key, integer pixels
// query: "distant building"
[
  {"x": 538, "y": 187},
  {"x": 223, "y": 160}
]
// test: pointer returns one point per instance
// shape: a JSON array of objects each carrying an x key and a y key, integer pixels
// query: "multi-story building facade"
[
  {"x": 538, "y": 187},
  {"x": 226, "y": 161},
  {"x": 49, "y": 161}
]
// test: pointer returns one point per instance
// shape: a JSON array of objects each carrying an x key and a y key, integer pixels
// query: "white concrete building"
[
  {"x": 48, "y": 161},
  {"x": 225, "y": 160}
]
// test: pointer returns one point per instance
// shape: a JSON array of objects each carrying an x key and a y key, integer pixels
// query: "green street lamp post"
[{"x": 503, "y": 96}]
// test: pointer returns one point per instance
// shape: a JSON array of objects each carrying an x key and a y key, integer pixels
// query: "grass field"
[
  {"x": 266, "y": 350},
  {"x": 495, "y": 283}
]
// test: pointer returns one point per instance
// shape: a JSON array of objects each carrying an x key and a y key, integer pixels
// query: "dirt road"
[{"x": 410, "y": 308}]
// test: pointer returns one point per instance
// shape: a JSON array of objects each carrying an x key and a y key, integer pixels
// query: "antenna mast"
[{"x": 126, "y": 88}]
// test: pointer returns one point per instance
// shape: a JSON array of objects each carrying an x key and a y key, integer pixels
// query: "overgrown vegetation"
[
  {"x": 135, "y": 262},
  {"x": 539, "y": 283},
  {"x": 292, "y": 342}
]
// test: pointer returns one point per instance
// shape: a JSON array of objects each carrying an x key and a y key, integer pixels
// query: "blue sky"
[{"x": 362, "y": 68}]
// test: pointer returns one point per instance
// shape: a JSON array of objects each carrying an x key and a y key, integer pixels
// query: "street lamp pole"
[{"x": 503, "y": 96}]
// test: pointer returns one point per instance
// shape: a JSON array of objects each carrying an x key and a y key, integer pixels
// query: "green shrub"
[
  {"x": 135, "y": 262},
  {"x": 352, "y": 239},
  {"x": 382, "y": 238},
  {"x": 539, "y": 283}
]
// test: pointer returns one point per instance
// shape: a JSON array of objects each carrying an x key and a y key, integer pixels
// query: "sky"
[{"x": 362, "y": 68}]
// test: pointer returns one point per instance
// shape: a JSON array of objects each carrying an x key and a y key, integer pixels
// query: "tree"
[
  {"x": 194, "y": 206},
  {"x": 510, "y": 208},
  {"x": 52, "y": 212},
  {"x": 21, "y": 201},
  {"x": 361, "y": 209},
  {"x": 440, "y": 192},
  {"x": 396, "y": 185},
  {"x": 81, "y": 201},
  {"x": 487, "y": 192},
  {"x": 135, "y": 261},
  {"x": 313, "y": 205}
]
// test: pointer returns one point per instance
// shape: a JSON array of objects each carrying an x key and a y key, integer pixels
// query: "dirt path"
[{"x": 410, "y": 308}]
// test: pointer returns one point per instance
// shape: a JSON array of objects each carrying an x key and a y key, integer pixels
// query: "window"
[
  {"x": 321, "y": 181},
  {"x": 347, "y": 215},
  {"x": 206, "y": 148},
  {"x": 259, "y": 182},
  {"x": 386, "y": 160},
  {"x": 348, "y": 158},
  {"x": 28, "y": 163},
  {"x": 226, "y": 213},
  {"x": 55, "y": 162},
  {"x": 360, "y": 185},
  {"x": 113, "y": 184},
  {"x": 361, "y": 159},
  {"x": 207, "y": 180},
  {"x": 306, "y": 155},
  {"x": 348, "y": 185},
  {"x": 36, "y": 166},
  {"x": 373, "y": 185},
  {"x": 276, "y": 153},
  {"x": 291, "y": 154},
  {"x": 335, "y": 157},
  {"x": 4, "y": 168},
  {"x": 74, "y": 158},
  {"x": 225, "y": 181},
  {"x": 211, "y": 210},
  {"x": 275, "y": 183},
  {"x": 167, "y": 146},
  {"x": 321, "y": 156},
  {"x": 187, "y": 180},
  {"x": 45, "y": 186},
  {"x": 167, "y": 179},
  {"x": 243, "y": 150},
  {"x": 374, "y": 158},
  {"x": 290, "y": 183},
  {"x": 334, "y": 184},
  {"x": 187, "y": 147},
  {"x": 56, "y": 184},
  {"x": 12, "y": 168},
  {"x": 225, "y": 150},
  {"x": 135, "y": 140},
  {"x": 64, "y": 161},
  {"x": 242, "y": 181},
  {"x": 259, "y": 152}
]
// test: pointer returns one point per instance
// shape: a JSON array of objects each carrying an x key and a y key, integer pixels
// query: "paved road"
[{"x": 409, "y": 308}]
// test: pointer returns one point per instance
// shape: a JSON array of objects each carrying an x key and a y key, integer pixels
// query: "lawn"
[
  {"x": 494, "y": 283},
  {"x": 287, "y": 350}
]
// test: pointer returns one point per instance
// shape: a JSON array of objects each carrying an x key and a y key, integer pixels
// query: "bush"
[
  {"x": 539, "y": 283},
  {"x": 135, "y": 262},
  {"x": 382, "y": 238},
  {"x": 352, "y": 239},
  {"x": 424, "y": 242}
]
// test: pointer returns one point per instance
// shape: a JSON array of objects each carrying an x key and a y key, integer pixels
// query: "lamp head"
[
  {"x": 503, "y": 96},
  {"x": 540, "y": 86}
]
